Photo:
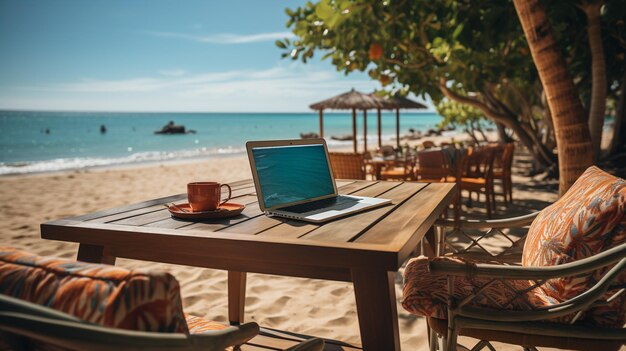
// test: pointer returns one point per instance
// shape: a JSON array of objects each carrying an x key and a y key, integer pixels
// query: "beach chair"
[
  {"x": 569, "y": 291},
  {"x": 400, "y": 169},
  {"x": 427, "y": 144},
  {"x": 51, "y": 304},
  {"x": 478, "y": 177},
  {"x": 502, "y": 172},
  {"x": 347, "y": 165},
  {"x": 432, "y": 166}
]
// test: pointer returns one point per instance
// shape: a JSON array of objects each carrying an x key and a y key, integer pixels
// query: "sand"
[{"x": 308, "y": 306}]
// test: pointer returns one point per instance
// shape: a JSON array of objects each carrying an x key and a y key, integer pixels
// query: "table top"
[{"x": 381, "y": 238}]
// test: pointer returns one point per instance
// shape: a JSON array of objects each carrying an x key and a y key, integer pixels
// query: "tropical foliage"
[{"x": 474, "y": 53}]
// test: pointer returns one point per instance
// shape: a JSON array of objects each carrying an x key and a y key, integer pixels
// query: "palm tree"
[
  {"x": 572, "y": 133},
  {"x": 598, "y": 87}
]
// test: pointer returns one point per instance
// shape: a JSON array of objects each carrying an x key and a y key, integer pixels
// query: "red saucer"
[{"x": 226, "y": 210}]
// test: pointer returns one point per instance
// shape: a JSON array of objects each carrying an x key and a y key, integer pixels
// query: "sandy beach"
[{"x": 307, "y": 306}]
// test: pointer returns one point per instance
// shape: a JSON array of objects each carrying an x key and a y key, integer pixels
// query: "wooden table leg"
[
  {"x": 378, "y": 172},
  {"x": 236, "y": 296},
  {"x": 376, "y": 308},
  {"x": 430, "y": 249},
  {"x": 94, "y": 254}
]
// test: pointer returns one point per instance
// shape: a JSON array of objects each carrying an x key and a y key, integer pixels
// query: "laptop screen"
[{"x": 288, "y": 174}]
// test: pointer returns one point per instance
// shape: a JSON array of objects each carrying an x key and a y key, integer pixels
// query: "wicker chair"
[
  {"x": 569, "y": 292},
  {"x": 348, "y": 165},
  {"x": 23, "y": 321},
  {"x": 52, "y": 303}
]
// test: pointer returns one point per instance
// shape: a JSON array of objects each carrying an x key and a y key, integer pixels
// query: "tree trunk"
[
  {"x": 619, "y": 131},
  {"x": 598, "y": 74},
  {"x": 539, "y": 151},
  {"x": 502, "y": 135},
  {"x": 572, "y": 133},
  {"x": 470, "y": 132},
  {"x": 548, "y": 137}
]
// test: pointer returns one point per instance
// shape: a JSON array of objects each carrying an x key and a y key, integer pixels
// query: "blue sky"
[{"x": 117, "y": 55}]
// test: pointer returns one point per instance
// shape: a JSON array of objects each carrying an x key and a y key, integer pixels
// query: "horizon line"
[{"x": 227, "y": 112}]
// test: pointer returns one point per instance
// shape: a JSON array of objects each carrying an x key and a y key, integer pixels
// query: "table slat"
[
  {"x": 163, "y": 213},
  {"x": 296, "y": 229},
  {"x": 416, "y": 215},
  {"x": 122, "y": 209},
  {"x": 154, "y": 213},
  {"x": 349, "y": 228}
]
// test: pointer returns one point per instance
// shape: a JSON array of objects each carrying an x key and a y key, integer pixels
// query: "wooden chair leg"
[
  {"x": 510, "y": 187},
  {"x": 488, "y": 205}
]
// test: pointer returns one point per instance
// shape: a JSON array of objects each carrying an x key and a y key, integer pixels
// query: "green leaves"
[
  {"x": 323, "y": 10},
  {"x": 421, "y": 41}
]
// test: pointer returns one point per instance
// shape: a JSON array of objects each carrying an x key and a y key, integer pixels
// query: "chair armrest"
[
  {"x": 309, "y": 345},
  {"x": 493, "y": 223},
  {"x": 84, "y": 336},
  {"x": 576, "y": 304},
  {"x": 484, "y": 270},
  {"x": 573, "y": 305}
]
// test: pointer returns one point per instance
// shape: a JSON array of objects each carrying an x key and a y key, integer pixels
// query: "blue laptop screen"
[{"x": 292, "y": 173}]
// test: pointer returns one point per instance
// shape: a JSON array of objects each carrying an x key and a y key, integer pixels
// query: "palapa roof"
[
  {"x": 404, "y": 102},
  {"x": 350, "y": 100},
  {"x": 357, "y": 100},
  {"x": 392, "y": 103}
]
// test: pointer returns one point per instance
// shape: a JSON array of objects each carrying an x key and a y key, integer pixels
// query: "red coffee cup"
[{"x": 206, "y": 196}]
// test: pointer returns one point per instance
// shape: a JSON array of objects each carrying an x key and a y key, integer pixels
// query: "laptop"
[{"x": 294, "y": 179}]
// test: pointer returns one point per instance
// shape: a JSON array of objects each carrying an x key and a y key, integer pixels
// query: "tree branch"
[
  {"x": 405, "y": 65},
  {"x": 495, "y": 115}
]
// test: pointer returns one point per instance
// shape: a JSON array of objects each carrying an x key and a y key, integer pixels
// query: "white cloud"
[
  {"x": 172, "y": 72},
  {"x": 288, "y": 87},
  {"x": 227, "y": 38}
]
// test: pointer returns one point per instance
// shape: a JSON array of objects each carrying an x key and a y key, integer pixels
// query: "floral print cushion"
[
  {"x": 101, "y": 294},
  {"x": 426, "y": 294},
  {"x": 588, "y": 219}
]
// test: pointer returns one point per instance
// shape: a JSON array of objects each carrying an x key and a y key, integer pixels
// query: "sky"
[{"x": 158, "y": 55}]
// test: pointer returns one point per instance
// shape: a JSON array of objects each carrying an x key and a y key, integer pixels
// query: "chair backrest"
[
  {"x": 480, "y": 163},
  {"x": 101, "y": 294},
  {"x": 348, "y": 165},
  {"x": 82, "y": 306},
  {"x": 427, "y": 144},
  {"x": 386, "y": 150},
  {"x": 432, "y": 165},
  {"x": 507, "y": 157},
  {"x": 589, "y": 218}
]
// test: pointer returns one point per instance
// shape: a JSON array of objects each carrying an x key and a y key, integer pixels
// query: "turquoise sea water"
[{"x": 74, "y": 140}]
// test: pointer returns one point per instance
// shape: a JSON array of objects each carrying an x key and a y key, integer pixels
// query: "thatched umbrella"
[
  {"x": 352, "y": 100},
  {"x": 395, "y": 103}
]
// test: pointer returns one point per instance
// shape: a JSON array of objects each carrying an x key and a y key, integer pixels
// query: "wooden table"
[{"x": 365, "y": 249}]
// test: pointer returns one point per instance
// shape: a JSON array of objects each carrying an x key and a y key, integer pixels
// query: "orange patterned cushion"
[
  {"x": 588, "y": 219},
  {"x": 199, "y": 325},
  {"x": 426, "y": 294},
  {"x": 101, "y": 294}
]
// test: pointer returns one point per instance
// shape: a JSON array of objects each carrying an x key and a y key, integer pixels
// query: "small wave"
[{"x": 66, "y": 164}]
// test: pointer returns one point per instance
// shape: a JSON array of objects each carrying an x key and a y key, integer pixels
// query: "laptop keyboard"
[{"x": 316, "y": 205}]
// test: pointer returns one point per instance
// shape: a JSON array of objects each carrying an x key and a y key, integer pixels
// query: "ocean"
[{"x": 37, "y": 141}]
